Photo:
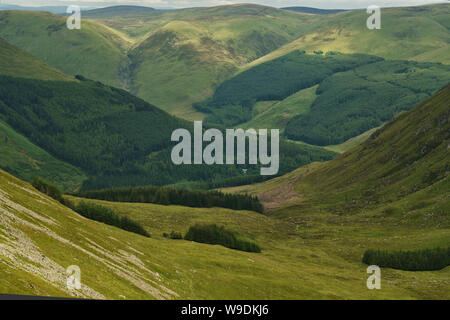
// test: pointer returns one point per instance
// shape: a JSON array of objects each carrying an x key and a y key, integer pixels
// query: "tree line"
[
  {"x": 416, "y": 260},
  {"x": 176, "y": 196},
  {"x": 213, "y": 234},
  {"x": 90, "y": 210}
]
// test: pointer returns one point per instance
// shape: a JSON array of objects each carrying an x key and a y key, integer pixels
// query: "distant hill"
[
  {"x": 422, "y": 32},
  {"x": 153, "y": 54},
  {"x": 313, "y": 10},
  {"x": 19, "y": 63},
  {"x": 389, "y": 193},
  {"x": 115, "y": 11},
  {"x": 95, "y": 51},
  {"x": 400, "y": 173},
  {"x": 52, "y": 9}
]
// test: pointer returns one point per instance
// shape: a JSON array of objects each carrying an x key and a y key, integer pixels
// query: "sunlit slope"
[
  {"x": 95, "y": 51},
  {"x": 18, "y": 155},
  {"x": 19, "y": 63},
  {"x": 203, "y": 47},
  {"x": 25, "y": 160},
  {"x": 39, "y": 239},
  {"x": 401, "y": 170},
  {"x": 416, "y": 33}
]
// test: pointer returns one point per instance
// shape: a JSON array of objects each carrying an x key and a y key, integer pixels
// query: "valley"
[{"x": 90, "y": 121}]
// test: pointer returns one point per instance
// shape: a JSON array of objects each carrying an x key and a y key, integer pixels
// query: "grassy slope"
[
  {"x": 16, "y": 62},
  {"x": 391, "y": 193},
  {"x": 25, "y": 160},
  {"x": 40, "y": 239},
  {"x": 416, "y": 33},
  {"x": 95, "y": 51},
  {"x": 18, "y": 155},
  {"x": 203, "y": 47},
  {"x": 279, "y": 112}
]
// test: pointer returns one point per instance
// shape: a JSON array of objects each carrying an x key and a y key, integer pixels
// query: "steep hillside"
[
  {"x": 203, "y": 47},
  {"x": 16, "y": 62},
  {"x": 408, "y": 33},
  {"x": 95, "y": 51},
  {"x": 401, "y": 172},
  {"x": 115, "y": 11},
  {"x": 18, "y": 155},
  {"x": 155, "y": 53},
  {"x": 313, "y": 10},
  {"x": 25, "y": 160},
  {"x": 355, "y": 93},
  {"x": 114, "y": 137},
  {"x": 40, "y": 239}
]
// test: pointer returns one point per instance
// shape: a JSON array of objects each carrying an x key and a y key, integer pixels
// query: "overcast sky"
[{"x": 331, "y": 4}]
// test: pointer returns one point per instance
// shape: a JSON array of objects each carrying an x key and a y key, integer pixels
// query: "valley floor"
[{"x": 313, "y": 257}]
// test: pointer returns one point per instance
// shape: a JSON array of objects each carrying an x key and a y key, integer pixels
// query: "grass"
[
  {"x": 276, "y": 114},
  {"x": 19, "y": 63},
  {"x": 414, "y": 33},
  {"x": 319, "y": 259},
  {"x": 26, "y": 160},
  {"x": 94, "y": 51},
  {"x": 209, "y": 45}
]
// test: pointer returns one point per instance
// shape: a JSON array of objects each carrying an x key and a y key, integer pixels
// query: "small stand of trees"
[
  {"x": 90, "y": 210},
  {"x": 417, "y": 260},
  {"x": 173, "y": 196},
  {"x": 213, "y": 234}
]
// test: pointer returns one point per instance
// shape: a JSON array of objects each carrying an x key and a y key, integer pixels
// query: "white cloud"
[{"x": 195, "y": 3}]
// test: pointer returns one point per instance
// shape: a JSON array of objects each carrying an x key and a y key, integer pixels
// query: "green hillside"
[
  {"x": 116, "y": 138},
  {"x": 409, "y": 33},
  {"x": 274, "y": 80},
  {"x": 18, "y": 155},
  {"x": 25, "y": 160},
  {"x": 154, "y": 53},
  {"x": 19, "y": 63},
  {"x": 401, "y": 173},
  {"x": 350, "y": 103},
  {"x": 390, "y": 193},
  {"x": 355, "y": 93},
  {"x": 95, "y": 51}
]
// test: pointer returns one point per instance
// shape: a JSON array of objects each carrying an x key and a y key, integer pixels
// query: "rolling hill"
[
  {"x": 401, "y": 172},
  {"x": 408, "y": 33},
  {"x": 154, "y": 53},
  {"x": 19, "y": 155},
  {"x": 16, "y": 62},
  {"x": 95, "y": 51},
  {"x": 391, "y": 193}
]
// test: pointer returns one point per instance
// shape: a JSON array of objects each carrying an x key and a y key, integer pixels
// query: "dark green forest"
[
  {"x": 90, "y": 210},
  {"x": 176, "y": 196},
  {"x": 352, "y": 102},
  {"x": 415, "y": 260},
  {"x": 275, "y": 80},
  {"x": 213, "y": 234},
  {"x": 118, "y": 139}
]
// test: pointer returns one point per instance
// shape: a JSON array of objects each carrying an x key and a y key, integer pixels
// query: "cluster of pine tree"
[
  {"x": 213, "y": 234},
  {"x": 90, "y": 210},
  {"x": 174, "y": 196},
  {"x": 274, "y": 80},
  {"x": 350, "y": 103},
  {"x": 108, "y": 216},
  {"x": 418, "y": 260}
]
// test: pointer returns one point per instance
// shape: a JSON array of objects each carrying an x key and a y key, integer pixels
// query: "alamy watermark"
[
  {"x": 73, "y": 278},
  {"x": 214, "y": 151},
  {"x": 74, "y": 20},
  {"x": 374, "y": 281},
  {"x": 374, "y": 20}
]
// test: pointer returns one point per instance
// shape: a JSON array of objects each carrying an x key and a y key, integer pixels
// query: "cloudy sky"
[{"x": 196, "y": 3}]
